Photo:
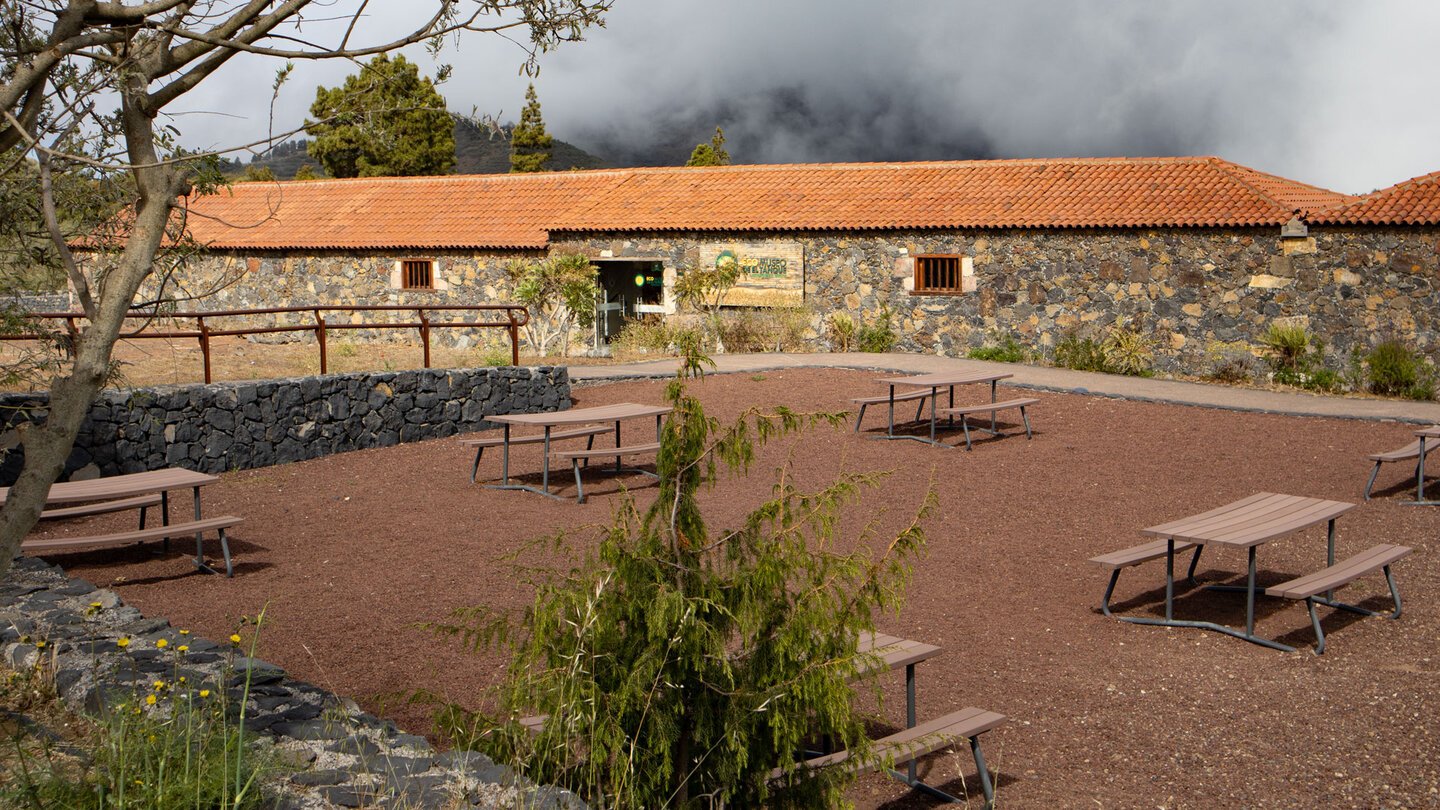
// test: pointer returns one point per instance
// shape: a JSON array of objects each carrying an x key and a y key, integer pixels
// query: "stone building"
[{"x": 1193, "y": 251}]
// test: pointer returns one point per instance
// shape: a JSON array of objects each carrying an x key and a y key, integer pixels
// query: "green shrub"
[
  {"x": 1394, "y": 370},
  {"x": 878, "y": 336},
  {"x": 1009, "y": 350},
  {"x": 1081, "y": 354}
]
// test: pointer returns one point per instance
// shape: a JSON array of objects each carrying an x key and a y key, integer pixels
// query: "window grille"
[
  {"x": 417, "y": 274},
  {"x": 938, "y": 274}
]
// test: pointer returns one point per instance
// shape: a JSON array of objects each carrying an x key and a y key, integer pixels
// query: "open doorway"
[{"x": 628, "y": 289}]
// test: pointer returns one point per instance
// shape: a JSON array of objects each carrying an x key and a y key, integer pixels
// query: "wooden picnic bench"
[
  {"x": 196, "y": 528},
  {"x": 576, "y": 456},
  {"x": 589, "y": 432},
  {"x": 1117, "y": 561},
  {"x": 141, "y": 502},
  {"x": 1409, "y": 451},
  {"x": 1339, "y": 575},
  {"x": 128, "y": 491},
  {"x": 905, "y": 396},
  {"x": 910, "y": 744},
  {"x": 991, "y": 408}
]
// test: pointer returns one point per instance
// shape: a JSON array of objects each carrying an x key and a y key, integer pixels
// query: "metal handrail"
[{"x": 516, "y": 316}]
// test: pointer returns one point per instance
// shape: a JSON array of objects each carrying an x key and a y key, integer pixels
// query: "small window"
[
  {"x": 938, "y": 274},
  {"x": 417, "y": 274}
]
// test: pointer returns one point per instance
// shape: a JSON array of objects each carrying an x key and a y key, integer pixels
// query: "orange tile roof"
[
  {"x": 1413, "y": 202},
  {"x": 520, "y": 211},
  {"x": 456, "y": 211},
  {"x": 1076, "y": 193}
]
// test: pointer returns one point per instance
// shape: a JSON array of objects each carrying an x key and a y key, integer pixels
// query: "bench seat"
[
  {"x": 1116, "y": 561},
  {"x": 904, "y": 396},
  {"x": 589, "y": 432},
  {"x": 576, "y": 456},
  {"x": 990, "y": 407},
  {"x": 1339, "y": 575},
  {"x": 1409, "y": 451},
  {"x": 195, "y": 528},
  {"x": 912, "y": 743},
  {"x": 141, "y": 502}
]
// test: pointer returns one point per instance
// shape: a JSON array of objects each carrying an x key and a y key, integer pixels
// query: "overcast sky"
[{"x": 1338, "y": 94}]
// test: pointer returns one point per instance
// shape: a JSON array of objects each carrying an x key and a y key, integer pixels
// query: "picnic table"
[
  {"x": 1425, "y": 435},
  {"x": 1247, "y": 523},
  {"x": 935, "y": 381},
  {"x": 892, "y": 652},
  {"x": 133, "y": 490},
  {"x": 550, "y": 420}
]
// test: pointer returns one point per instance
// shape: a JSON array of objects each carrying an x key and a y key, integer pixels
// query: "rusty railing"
[{"x": 515, "y": 316}]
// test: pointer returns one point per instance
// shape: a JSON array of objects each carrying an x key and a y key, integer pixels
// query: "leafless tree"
[{"x": 84, "y": 84}]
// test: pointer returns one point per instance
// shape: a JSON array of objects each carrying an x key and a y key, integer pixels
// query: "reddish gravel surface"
[{"x": 348, "y": 554}]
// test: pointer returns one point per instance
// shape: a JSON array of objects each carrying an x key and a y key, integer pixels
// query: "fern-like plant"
[{"x": 676, "y": 666}]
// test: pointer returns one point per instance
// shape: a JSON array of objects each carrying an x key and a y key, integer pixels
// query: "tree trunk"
[{"x": 48, "y": 446}]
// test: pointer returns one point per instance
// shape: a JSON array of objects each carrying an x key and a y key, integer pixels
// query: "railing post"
[
  {"x": 320, "y": 337},
  {"x": 424, "y": 333},
  {"x": 514, "y": 338},
  {"x": 204, "y": 344}
]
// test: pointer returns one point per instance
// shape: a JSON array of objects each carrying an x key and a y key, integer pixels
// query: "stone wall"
[
  {"x": 58, "y": 301},
  {"x": 269, "y": 279},
  {"x": 242, "y": 425},
  {"x": 99, "y": 652},
  {"x": 1189, "y": 289}
]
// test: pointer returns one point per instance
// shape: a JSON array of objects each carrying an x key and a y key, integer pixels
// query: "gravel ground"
[{"x": 349, "y": 554}]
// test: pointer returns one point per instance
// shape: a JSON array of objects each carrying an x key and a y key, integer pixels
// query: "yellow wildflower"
[
  {"x": 183, "y": 647},
  {"x": 161, "y": 644},
  {"x": 123, "y": 643},
  {"x": 149, "y": 700},
  {"x": 234, "y": 638},
  {"x": 204, "y": 693}
]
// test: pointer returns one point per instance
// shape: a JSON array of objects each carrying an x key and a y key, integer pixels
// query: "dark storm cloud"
[
  {"x": 856, "y": 81},
  {"x": 1332, "y": 93}
]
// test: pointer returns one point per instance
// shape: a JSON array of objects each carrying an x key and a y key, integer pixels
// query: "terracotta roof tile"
[
  {"x": 1120, "y": 192},
  {"x": 480, "y": 211},
  {"x": 1413, "y": 202},
  {"x": 519, "y": 211}
]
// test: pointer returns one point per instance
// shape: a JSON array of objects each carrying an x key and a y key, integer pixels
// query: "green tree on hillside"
[
  {"x": 386, "y": 121},
  {"x": 710, "y": 154},
  {"x": 529, "y": 144}
]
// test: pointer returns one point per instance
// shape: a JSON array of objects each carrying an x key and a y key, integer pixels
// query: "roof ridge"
[
  {"x": 1235, "y": 171},
  {"x": 1380, "y": 194}
]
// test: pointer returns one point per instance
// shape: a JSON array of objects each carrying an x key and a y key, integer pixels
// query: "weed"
[
  {"x": 1081, "y": 354},
  {"x": 345, "y": 349},
  {"x": 171, "y": 744},
  {"x": 1229, "y": 362},
  {"x": 1009, "y": 350},
  {"x": 1127, "y": 351},
  {"x": 842, "y": 330},
  {"x": 878, "y": 336},
  {"x": 1291, "y": 346}
]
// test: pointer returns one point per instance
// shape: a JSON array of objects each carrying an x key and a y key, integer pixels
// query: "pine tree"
[
  {"x": 710, "y": 154},
  {"x": 386, "y": 121},
  {"x": 529, "y": 144}
]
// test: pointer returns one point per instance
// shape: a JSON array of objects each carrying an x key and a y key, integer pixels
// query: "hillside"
[{"x": 477, "y": 151}]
